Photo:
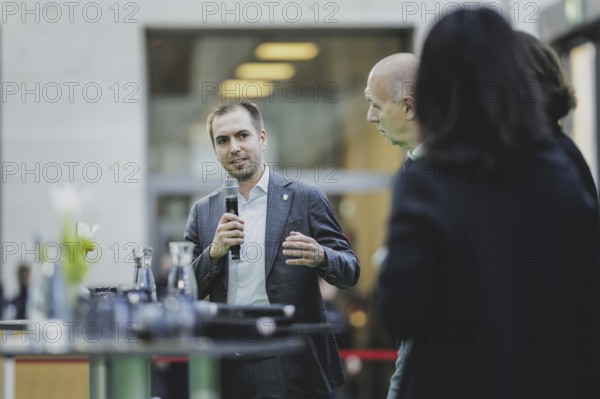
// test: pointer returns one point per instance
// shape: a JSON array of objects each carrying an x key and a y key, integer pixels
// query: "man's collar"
[
  {"x": 417, "y": 153},
  {"x": 263, "y": 183}
]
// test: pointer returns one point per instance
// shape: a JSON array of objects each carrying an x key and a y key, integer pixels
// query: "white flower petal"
[
  {"x": 65, "y": 199},
  {"x": 82, "y": 230},
  {"x": 94, "y": 229}
]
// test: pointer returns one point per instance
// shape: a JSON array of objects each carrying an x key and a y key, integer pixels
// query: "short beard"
[{"x": 246, "y": 173}]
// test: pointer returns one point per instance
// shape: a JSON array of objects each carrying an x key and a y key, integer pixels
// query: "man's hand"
[
  {"x": 230, "y": 232},
  {"x": 308, "y": 251}
]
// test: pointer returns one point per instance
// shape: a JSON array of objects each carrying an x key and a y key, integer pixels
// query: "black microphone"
[{"x": 230, "y": 190}]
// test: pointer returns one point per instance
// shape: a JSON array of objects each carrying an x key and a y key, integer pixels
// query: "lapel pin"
[{"x": 285, "y": 197}]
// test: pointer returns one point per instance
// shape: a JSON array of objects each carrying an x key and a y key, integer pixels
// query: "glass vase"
[
  {"x": 182, "y": 281},
  {"x": 143, "y": 279}
]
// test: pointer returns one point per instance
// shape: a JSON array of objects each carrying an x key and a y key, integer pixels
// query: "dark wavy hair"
[
  {"x": 559, "y": 97},
  {"x": 474, "y": 94}
]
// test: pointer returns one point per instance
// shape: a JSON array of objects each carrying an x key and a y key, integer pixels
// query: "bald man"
[{"x": 390, "y": 93}]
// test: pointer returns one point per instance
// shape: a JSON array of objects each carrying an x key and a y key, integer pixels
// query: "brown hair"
[
  {"x": 228, "y": 106},
  {"x": 543, "y": 62}
]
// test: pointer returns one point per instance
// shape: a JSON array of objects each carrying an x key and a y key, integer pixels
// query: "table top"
[{"x": 54, "y": 337}]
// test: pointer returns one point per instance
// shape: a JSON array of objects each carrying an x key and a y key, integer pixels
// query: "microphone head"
[
  {"x": 230, "y": 182},
  {"x": 230, "y": 187}
]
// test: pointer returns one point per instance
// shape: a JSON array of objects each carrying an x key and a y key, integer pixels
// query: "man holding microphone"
[{"x": 289, "y": 237}]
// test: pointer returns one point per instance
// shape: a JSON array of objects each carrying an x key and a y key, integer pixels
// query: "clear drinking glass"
[
  {"x": 182, "y": 281},
  {"x": 47, "y": 296},
  {"x": 143, "y": 279},
  {"x": 48, "y": 305}
]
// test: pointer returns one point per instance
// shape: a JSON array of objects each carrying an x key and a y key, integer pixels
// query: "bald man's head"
[
  {"x": 399, "y": 71},
  {"x": 390, "y": 91}
]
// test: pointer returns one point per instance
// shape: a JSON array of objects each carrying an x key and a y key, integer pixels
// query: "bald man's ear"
[{"x": 410, "y": 108}]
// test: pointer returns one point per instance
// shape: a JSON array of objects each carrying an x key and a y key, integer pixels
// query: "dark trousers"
[{"x": 273, "y": 377}]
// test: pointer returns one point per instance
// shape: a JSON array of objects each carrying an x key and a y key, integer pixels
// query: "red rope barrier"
[{"x": 376, "y": 355}]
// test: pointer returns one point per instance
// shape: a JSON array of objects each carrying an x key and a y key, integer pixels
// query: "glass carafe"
[
  {"x": 143, "y": 279},
  {"x": 182, "y": 281}
]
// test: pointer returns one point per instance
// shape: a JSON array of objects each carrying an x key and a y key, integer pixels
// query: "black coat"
[
  {"x": 493, "y": 277},
  {"x": 576, "y": 156}
]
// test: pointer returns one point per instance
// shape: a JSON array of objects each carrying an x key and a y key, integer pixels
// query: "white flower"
[
  {"x": 67, "y": 200},
  {"x": 84, "y": 232}
]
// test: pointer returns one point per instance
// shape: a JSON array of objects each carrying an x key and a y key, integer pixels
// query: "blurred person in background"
[
  {"x": 335, "y": 314},
  {"x": 559, "y": 99},
  {"x": 20, "y": 301},
  {"x": 391, "y": 95},
  {"x": 299, "y": 240},
  {"x": 1, "y": 300},
  {"x": 493, "y": 264}
]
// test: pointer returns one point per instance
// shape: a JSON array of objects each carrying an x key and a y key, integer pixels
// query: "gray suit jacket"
[{"x": 307, "y": 211}]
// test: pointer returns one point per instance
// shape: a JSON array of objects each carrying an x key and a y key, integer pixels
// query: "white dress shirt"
[
  {"x": 417, "y": 153},
  {"x": 247, "y": 281}
]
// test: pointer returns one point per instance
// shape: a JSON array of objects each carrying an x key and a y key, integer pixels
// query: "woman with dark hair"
[
  {"x": 473, "y": 94},
  {"x": 559, "y": 99},
  {"x": 493, "y": 270}
]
